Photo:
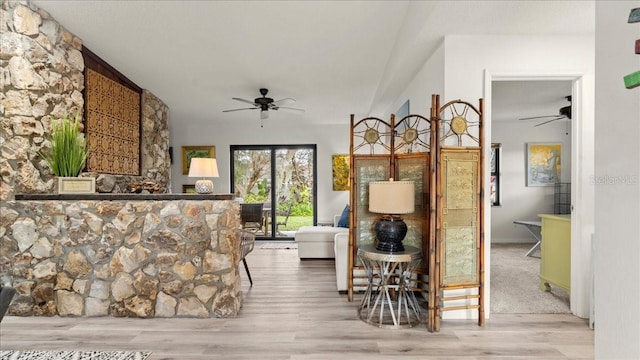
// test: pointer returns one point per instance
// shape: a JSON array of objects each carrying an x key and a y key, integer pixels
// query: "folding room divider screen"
[{"x": 447, "y": 221}]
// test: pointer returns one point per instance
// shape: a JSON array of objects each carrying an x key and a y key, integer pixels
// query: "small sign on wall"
[
  {"x": 76, "y": 185},
  {"x": 633, "y": 80}
]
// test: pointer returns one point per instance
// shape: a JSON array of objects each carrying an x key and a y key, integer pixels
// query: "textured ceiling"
[
  {"x": 334, "y": 57},
  {"x": 513, "y": 100}
]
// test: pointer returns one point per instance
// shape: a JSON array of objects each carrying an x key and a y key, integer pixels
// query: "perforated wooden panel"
[{"x": 112, "y": 126}]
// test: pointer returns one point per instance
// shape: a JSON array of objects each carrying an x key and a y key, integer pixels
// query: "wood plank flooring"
[{"x": 294, "y": 312}]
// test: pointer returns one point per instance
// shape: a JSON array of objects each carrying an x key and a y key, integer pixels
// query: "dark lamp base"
[{"x": 390, "y": 231}]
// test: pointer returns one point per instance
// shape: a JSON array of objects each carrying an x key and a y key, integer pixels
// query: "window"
[
  {"x": 282, "y": 177},
  {"x": 495, "y": 174}
]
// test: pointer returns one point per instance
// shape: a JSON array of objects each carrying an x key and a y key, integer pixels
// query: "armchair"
[
  {"x": 6, "y": 295},
  {"x": 247, "y": 241},
  {"x": 251, "y": 216}
]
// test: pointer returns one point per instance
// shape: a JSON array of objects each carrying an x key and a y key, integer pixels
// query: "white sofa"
[
  {"x": 317, "y": 242},
  {"x": 341, "y": 249}
]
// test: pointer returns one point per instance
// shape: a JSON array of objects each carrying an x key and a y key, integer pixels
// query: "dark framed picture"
[
  {"x": 190, "y": 152},
  {"x": 189, "y": 188}
]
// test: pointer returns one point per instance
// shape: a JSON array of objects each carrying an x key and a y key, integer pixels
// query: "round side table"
[{"x": 389, "y": 300}]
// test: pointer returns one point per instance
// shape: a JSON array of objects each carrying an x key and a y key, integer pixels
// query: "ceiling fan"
[
  {"x": 563, "y": 113},
  {"x": 264, "y": 104}
]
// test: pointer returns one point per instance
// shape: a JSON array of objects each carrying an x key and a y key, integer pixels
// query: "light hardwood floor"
[{"x": 294, "y": 312}]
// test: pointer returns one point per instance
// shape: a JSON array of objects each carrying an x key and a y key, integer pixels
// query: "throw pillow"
[{"x": 344, "y": 218}]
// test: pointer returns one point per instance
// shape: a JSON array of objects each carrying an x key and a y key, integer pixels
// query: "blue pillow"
[{"x": 344, "y": 218}]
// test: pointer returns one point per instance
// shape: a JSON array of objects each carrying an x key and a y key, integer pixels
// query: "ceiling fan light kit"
[{"x": 264, "y": 104}]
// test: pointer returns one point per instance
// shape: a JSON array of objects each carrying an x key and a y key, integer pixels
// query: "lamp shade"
[
  {"x": 392, "y": 197},
  {"x": 203, "y": 167}
]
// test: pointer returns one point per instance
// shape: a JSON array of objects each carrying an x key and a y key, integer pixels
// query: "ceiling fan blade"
[
  {"x": 288, "y": 108},
  {"x": 246, "y": 101},
  {"x": 538, "y": 117},
  {"x": 548, "y": 121},
  {"x": 284, "y": 101},
  {"x": 239, "y": 109}
]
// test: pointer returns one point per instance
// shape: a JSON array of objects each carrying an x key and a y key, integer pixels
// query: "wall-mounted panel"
[{"x": 113, "y": 126}]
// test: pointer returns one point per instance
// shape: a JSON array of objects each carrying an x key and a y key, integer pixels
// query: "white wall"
[
  {"x": 617, "y": 239},
  {"x": 530, "y": 56},
  {"x": 330, "y": 139},
  {"x": 468, "y": 60},
  {"x": 429, "y": 80},
  {"x": 521, "y": 202}
]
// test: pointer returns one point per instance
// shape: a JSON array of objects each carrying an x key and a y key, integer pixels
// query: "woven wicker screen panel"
[
  {"x": 415, "y": 168},
  {"x": 112, "y": 126},
  {"x": 366, "y": 169},
  {"x": 460, "y": 217}
]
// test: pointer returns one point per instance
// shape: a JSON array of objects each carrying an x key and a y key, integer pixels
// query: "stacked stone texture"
[
  {"x": 41, "y": 74},
  {"x": 42, "y": 79},
  {"x": 156, "y": 164},
  {"x": 122, "y": 258}
]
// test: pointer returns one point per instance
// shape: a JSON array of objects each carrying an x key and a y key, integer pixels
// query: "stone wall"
[
  {"x": 122, "y": 258},
  {"x": 42, "y": 79},
  {"x": 41, "y": 74},
  {"x": 156, "y": 164}
]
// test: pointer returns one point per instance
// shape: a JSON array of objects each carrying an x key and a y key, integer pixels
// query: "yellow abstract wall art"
[
  {"x": 340, "y": 164},
  {"x": 543, "y": 164}
]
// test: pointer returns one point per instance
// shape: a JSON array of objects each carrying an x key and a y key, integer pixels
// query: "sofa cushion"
[
  {"x": 341, "y": 251},
  {"x": 344, "y": 218},
  {"x": 317, "y": 233},
  {"x": 317, "y": 241}
]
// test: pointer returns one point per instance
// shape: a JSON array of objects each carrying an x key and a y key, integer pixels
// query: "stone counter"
[
  {"x": 124, "y": 196},
  {"x": 134, "y": 256}
]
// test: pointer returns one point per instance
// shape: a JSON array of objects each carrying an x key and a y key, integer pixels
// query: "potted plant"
[{"x": 68, "y": 156}]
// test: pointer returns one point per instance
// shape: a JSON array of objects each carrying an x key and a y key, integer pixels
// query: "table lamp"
[
  {"x": 391, "y": 198},
  {"x": 203, "y": 167}
]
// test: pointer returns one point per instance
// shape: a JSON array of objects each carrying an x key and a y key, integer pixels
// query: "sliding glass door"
[{"x": 280, "y": 177}]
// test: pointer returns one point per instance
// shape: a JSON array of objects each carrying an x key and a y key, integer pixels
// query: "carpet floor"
[
  {"x": 515, "y": 284},
  {"x": 72, "y": 355}
]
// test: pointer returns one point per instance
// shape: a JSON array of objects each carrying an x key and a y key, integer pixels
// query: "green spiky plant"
[{"x": 69, "y": 150}]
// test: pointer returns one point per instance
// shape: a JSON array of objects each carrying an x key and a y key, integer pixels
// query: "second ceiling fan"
[
  {"x": 563, "y": 113},
  {"x": 264, "y": 104}
]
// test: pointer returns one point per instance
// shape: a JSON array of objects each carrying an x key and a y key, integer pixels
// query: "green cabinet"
[{"x": 555, "y": 265}]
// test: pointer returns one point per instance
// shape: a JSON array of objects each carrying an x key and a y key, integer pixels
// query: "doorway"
[
  {"x": 525, "y": 113},
  {"x": 582, "y": 169},
  {"x": 282, "y": 180}
]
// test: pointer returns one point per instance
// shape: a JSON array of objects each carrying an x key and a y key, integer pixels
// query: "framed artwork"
[
  {"x": 543, "y": 163},
  {"x": 402, "y": 111},
  {"x": 188, "y": 188},
  {"x": 494, "y": 196},
  {"x": 340, "y": 165},
  {"x": 190, "y": 152}
]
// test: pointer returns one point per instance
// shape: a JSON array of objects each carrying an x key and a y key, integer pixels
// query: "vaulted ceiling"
[{"x": 334, "y": 57}]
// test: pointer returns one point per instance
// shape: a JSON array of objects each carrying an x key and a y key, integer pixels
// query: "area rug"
[
  {"x": 286, "y": 245},
  {"x": 72, "y": 355},
  {"x": 515, "y": 285}
]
